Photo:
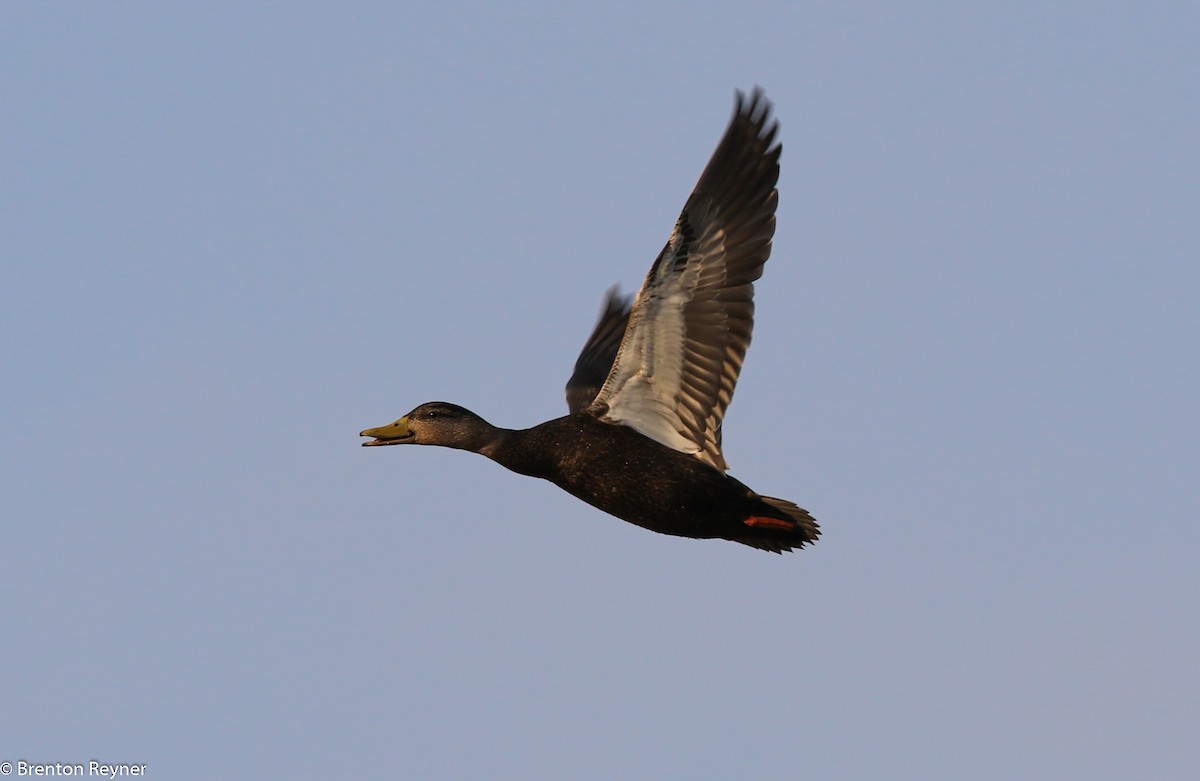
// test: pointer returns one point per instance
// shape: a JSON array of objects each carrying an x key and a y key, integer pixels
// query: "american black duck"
[{"x": 649, "y": 392}]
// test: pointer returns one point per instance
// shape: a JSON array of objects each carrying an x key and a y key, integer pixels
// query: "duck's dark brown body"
[{"x": 626, "y": 474}]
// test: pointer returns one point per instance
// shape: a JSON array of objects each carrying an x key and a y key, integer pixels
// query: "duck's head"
[{"x": 434, "y": 423}]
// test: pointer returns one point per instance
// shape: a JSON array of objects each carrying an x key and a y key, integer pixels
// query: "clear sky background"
[{"x": 234, "y": 235}]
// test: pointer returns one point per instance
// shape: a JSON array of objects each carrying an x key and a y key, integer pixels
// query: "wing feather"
[
  {"x": 687, "y": 335},
  {"x": 596, "y": 359}
]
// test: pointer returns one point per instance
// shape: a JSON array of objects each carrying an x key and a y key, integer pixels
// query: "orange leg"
[{"x": 759, "y": 522}]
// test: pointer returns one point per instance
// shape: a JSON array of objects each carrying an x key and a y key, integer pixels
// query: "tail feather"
[{"x": 804, "y": 532}]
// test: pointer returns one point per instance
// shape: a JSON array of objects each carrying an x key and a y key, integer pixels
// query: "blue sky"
[{"x": 233, "y": 236}]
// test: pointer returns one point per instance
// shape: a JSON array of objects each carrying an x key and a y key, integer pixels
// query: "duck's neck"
[
  {"x": 496, "y": 443},
  {"x": 512, "y": 449},
  {"x": 480, "y": 437}
]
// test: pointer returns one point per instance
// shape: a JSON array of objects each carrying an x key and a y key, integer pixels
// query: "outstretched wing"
[
  {"x": 677, "y": 366},
  {"x": 596, "y": 358}
]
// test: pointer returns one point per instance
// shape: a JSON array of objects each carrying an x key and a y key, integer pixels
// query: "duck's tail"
[{"x": 791, "y": 527}]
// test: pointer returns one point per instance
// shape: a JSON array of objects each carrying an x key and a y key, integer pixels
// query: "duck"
[{"x": 649, "y": 391}]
